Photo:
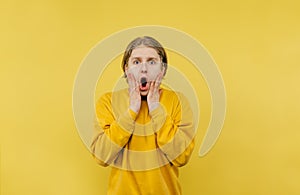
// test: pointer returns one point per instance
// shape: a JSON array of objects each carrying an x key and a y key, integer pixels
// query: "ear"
[
  {"x": 163, "y": 69},
  {"x": 126, "y": 71}
]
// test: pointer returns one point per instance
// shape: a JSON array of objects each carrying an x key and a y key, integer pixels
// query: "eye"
[
  {"x": 135, "y": 62},
  {"x": 151, "y": 62}
]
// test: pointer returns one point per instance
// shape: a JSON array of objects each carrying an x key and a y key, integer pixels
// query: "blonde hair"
[{"x": 148, "y": 42}]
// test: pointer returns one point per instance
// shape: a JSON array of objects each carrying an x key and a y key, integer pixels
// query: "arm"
[
  {"x": 175, "y": 134},
  {"x": 111, "y": 134}
]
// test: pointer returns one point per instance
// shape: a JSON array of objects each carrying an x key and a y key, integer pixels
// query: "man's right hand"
[{"x": 134, "y": 94}]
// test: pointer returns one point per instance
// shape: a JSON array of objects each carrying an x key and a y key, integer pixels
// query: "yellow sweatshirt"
[{"x": 144, "y": 149}]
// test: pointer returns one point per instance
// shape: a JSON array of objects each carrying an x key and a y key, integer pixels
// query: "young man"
[{"x": 144, "y": 132}]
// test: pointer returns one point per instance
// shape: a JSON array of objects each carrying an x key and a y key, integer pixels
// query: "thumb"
[{"x": 160, "y": 92}]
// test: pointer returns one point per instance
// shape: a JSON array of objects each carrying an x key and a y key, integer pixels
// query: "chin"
[{"x": 144, "y": 93}]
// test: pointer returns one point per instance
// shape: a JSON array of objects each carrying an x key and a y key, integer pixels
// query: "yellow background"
[{"x": 256, "y": 45}]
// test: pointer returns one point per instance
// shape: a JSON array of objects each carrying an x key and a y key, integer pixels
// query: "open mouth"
[
  {"x": 143, "y": 84},
  {"x": 144, "y": 81}
]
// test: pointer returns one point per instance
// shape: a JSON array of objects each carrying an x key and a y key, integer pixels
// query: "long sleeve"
[
  {"x": 146, "y": 149},
  {"x": 175, "y": 132},
  {"x": 112, "y": 132}
]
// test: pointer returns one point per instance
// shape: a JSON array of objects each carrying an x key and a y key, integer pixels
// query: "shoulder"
[
  {"x": 106, "y": 97},
  {"x": 173, "y": 101},
  {"x": 109, "y": 97},
  {"x": 170, "y": 95}
]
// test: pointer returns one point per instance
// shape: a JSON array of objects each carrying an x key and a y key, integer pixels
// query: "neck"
[{"x": 144, "y": 98}]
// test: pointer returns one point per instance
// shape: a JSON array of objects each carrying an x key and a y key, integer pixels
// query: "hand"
[
  {"x": 134, "y": 94},
  {"x": 154, "y": 93}
]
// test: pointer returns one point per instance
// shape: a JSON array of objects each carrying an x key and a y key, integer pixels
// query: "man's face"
[{"x": 145, "y": 65}]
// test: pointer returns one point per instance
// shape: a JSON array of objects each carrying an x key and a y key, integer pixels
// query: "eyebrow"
[{"x": 139, "y": 58}]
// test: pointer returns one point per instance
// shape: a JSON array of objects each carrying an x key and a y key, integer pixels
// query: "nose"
[{"x": 144, "y": 68}]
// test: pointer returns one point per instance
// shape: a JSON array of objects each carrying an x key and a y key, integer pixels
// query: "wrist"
[
  {"x": 134, "y": 109},
  {"x": 153, "y": 106}
]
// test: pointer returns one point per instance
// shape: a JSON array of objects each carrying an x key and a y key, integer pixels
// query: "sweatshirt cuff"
[
  {"x": 132, "y": 114},
  {"x": 127, "y": 120}
]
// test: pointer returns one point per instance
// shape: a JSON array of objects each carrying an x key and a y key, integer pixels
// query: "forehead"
[{"x": 144, "y": 52}]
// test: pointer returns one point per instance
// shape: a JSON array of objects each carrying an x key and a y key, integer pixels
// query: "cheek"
[
  {"x": 133, "y": 70},
  {"x": 153, "y": 72}
]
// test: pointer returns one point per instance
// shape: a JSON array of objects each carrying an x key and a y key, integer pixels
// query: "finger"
[
  {"x": 137, "y": 86},
  {"x": 130, "y": 81},
  {"x": 151, "y": 88},
  {"x": 160, "y": 91},
  {"x": 158, "y": 80},
  {"x": 133, "y": 78},
  {"x": 157, "y": 83},
  {"x": 133, "y": 82}
]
